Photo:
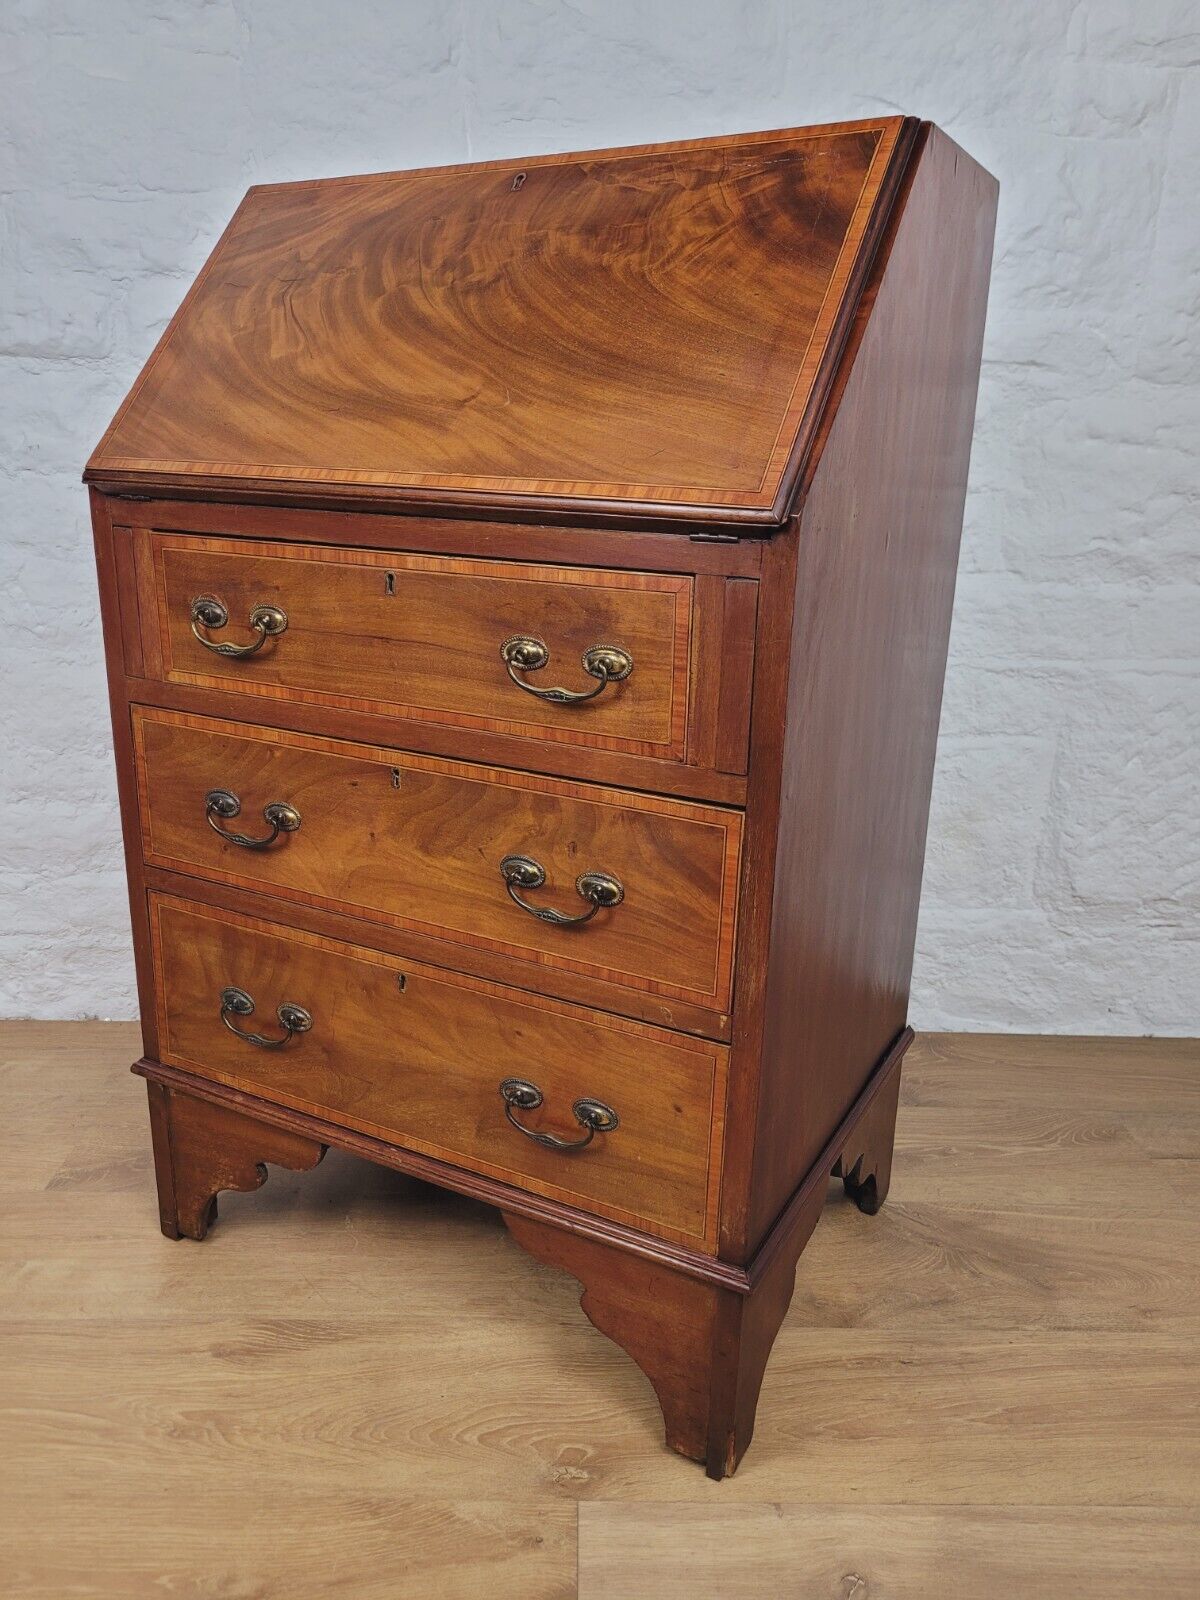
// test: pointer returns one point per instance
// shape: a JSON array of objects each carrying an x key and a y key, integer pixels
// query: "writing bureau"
[{"x": 526, "y": 590}]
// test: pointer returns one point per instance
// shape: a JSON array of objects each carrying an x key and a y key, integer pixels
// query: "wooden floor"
[{"x": 360, "y": 1387}]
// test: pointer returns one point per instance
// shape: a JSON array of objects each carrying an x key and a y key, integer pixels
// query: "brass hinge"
[{"x": 714, "y": 538}]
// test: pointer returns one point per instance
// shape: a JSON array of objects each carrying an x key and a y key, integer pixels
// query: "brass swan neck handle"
[
  {"x": 237, "y": 1003},
  {"x": 599, "y": 889},
  {"x": 209, "y": 612},
  {"x": 526, "y": 653},
  {"x": 220, "y": 803},
  {"x": 594, "y": 1116}
]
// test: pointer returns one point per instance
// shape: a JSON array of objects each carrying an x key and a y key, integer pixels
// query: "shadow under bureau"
[{"x": 526, "y": 590}]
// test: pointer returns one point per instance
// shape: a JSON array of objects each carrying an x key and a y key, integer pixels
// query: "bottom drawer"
[{"x": 416, "y": 1055}]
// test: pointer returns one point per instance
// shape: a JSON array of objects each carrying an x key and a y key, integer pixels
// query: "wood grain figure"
[
  {"x": 418, "y": 1056},
  {"x": 582, "y": 329},
  {"x": 423, "y": 636},
  {"x": 418, "y": 843}
]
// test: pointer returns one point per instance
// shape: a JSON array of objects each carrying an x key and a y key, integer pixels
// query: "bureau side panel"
[{"x": 876, "y": 555}]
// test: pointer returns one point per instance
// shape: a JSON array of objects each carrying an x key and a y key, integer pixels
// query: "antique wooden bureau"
[{"x": 526, "y": 590}]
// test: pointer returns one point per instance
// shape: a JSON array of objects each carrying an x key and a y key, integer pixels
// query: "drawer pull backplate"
[
  {"x": 237, "y": 1003},
  {"x": 599, "y": 889},
  {"x": 525, "y": 653},
  {"x": 209, "y": 612},
  {"x": 221, "y": 803},
  {"x": 592, "y": 1115}
]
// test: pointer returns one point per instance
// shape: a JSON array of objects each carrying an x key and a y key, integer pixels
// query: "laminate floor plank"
[
  {"x": 283, "y": 1542},
  {"x": 883, "y": 1552},
  {"x": 359, "y": 1385}
]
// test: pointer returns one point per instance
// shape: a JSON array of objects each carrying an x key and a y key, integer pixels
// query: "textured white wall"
[{"x": 1062, "y": 870}]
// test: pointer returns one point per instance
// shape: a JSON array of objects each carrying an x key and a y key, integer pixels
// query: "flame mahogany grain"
[
  {"x": 416, "y": 1055},
  {"x": 625, "y": 328},
  {"x": 416, "y": 842},
  {"x": 429, "y": 648}
]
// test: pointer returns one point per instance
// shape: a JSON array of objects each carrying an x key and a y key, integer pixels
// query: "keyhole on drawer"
[
  {"x": 389, "y": 583},
  {"x": 395, "y": 777},
  {"x": 401, "y": 982}
]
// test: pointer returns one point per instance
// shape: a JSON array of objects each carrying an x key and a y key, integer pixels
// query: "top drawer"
[{"x": 425, "y": 637}]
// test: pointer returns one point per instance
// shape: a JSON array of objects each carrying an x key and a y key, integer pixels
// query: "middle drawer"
[{"x": 417, "y": 842}]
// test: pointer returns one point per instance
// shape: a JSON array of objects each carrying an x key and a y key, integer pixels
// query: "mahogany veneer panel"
[
  {"x": 649, "y": 326},
  {"x": 417, "y": 842},
  {"x": 876, "y": 559},
  {"x": 416, "y": 1055},
  {"x": 421, "y": 636}
]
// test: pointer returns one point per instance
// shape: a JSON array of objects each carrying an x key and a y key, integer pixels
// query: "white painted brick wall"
[{"x": 1061, "y": 886}]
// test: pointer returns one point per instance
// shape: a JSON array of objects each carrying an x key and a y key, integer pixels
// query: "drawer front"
[
  {"x": 418, "y": 843},
  {"x": 416, "y": 1055},
  {"x": 421, "y": 636}
]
